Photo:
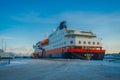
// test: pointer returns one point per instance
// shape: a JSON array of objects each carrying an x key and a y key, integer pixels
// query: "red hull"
[{"x": 73, "y": 52}]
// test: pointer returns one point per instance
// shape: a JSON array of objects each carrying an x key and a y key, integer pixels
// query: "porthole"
[{"x": 71, "y": 42}]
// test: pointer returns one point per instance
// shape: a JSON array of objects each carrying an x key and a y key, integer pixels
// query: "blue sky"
[{"x": 24, "y": 22}]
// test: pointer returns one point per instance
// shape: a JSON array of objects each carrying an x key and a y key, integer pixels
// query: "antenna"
[
  {"x": 2, "y": 44},
  {"x": 5, "y": 46}
]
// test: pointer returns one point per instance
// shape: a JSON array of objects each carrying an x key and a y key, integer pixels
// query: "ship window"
[
  {"x": 79, "y": 42},
  {"x": 98, "y": 43},
  {"x": 72, "y": 36},
  {"x": 71, "y": 42},
  {"x": 64, "y": 43},
  {"x": 84, "y": 42},
  {"x": 93, "y": 43},
  {"x": 89, "y": 42}
]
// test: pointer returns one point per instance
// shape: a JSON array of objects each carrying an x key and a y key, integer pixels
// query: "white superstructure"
[{"x": 64, "y": 40}]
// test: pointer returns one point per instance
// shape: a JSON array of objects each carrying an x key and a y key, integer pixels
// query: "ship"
[
  {"x": 70, "y": 44},
  {"x": 6, "y": 55}
]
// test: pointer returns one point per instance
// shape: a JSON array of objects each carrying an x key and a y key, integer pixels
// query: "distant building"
[
  {"x": 6, "y": 55},
  {"x": 1, "y": 50}
]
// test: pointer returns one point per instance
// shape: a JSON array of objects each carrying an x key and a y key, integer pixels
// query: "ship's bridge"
[
  {"x": 82, "y": 38},
  {"x": 77, "y": 33}
]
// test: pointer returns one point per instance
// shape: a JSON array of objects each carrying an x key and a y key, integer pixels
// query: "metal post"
[
  {"x": 2, "y": 44},
  {"x": 88, "y": 55},
  {"x": 9, "y": 59}
]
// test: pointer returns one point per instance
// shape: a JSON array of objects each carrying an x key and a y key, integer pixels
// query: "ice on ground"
[{"x": 60, "y": 69}]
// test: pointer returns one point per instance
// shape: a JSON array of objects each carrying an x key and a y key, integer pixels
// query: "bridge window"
[
  {"x": 98, "y": 43},
  {"x": 84, "y": 42},
  {"x": 89, "y": 42},
  {"x": 93, "y": 43},
  {"x": 79, "y": 42}
]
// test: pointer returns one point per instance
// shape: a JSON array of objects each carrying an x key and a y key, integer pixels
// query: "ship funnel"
[{"x": 62, "y": 25}]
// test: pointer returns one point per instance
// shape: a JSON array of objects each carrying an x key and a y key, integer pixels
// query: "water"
[{"x": 112, "y": 58}]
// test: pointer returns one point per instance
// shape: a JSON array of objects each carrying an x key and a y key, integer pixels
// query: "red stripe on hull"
[
  {"x": 72, "y": 50},
  {"x": 89, "y": 51}
]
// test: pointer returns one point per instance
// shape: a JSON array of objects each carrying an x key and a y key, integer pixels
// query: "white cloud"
[
  {"x": 22, "y": 50},
  {"x": 2, "y": 37},
  {"x": 31, "y": 17},
  {"x": 81, "y": 18}
]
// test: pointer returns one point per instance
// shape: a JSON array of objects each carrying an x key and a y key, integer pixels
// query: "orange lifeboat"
[{"x": 44, "y": 42}]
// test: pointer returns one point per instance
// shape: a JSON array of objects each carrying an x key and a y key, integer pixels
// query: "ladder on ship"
[{"x": 43, "y": 51}]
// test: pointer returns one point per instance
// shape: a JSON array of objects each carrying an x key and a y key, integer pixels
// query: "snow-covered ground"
[{"x": 60, "y": 69}]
